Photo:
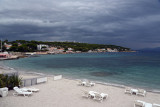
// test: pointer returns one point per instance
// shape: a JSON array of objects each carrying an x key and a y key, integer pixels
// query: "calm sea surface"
[{"x": 132, "y": 69}]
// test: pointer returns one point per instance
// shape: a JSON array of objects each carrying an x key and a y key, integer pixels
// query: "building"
[
  {"x": 55, "y": 50},
  {"x": 101, "y": 50},
  {"x": 8, "y": 46},
  {"x": 69, "y": 52},
  {"x": 4, "y": 55},
  {"x": 90, "y": 51},
  {"x": 111, "y": 50},
  {"x": 70, "y": 49},
  {"x": 42, "y": 47}
]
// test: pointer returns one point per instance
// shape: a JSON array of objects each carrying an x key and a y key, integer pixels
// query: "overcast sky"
[{"x": 130, "y": 23}]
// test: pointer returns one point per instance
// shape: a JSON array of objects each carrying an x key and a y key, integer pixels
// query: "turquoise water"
[{"x": 132, "y": 69}]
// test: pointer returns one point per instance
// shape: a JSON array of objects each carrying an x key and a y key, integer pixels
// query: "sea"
[{"x": 134, "y": 69}]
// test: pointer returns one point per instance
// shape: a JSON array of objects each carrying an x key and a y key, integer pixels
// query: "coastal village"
[{"x": 43, "y": 49}]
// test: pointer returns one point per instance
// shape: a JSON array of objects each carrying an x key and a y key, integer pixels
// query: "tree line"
[{"x": 31, "y": 46}]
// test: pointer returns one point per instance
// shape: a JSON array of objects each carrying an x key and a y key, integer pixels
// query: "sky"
[{"x": 130, "y": 23}]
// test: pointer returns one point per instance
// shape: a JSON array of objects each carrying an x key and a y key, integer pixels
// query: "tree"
[
  {"x": 5, "y": 41},
  {"x": 15, "y": 44},
  {"x": 32, "y": 47},
  {"x": 23, "y": 48},
  {"x": 4, "y": 48},
  {"x": 14, "y": 48}
]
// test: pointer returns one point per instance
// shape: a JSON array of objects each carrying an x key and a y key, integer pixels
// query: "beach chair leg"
[{"x": 101, "y": 101}]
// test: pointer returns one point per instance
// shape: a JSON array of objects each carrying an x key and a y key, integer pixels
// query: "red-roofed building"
[
  {"x": 8, "y": 46},
  {"x": 2, "y": 55}
]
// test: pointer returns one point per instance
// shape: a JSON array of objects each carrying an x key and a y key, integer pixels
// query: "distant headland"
[{"x": 23, "y": 47}]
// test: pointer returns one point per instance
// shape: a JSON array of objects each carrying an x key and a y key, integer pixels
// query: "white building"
[
  {"x": 111, "y": 50},
  {"x": 41, "y": 46},
  {"x": 8, "y": 46},
  {"x": 70, "y": 49}
]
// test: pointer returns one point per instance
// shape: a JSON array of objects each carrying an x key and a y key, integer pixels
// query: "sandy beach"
[{"x": 66, "y": 93}]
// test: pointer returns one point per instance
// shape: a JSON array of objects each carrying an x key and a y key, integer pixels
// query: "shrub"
[{"x": 10, "y": 81}]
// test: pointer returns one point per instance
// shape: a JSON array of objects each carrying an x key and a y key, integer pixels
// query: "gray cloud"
[{"x": 129, "y": 23}]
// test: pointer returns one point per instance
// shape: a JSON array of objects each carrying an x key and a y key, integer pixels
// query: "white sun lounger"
[
  {"x": 139, "y": 103},
  {"x": 156, "y": 105},
  {"x": 141, "y": 92},
  {"x": 30, "y": 89},
  {"x": 21, "y": 92},
  {"x": 91, "y": 83},
  {"x": 104, "y": 96},
  {"x": 85, "y": 94},
  {"x": 127, "y": 90},
  {"x": 148, "y": 105},
  {"x": 98, "y": 97},
  {"x": 80, "y": 82},
  {"x": 86, "y": 83}
]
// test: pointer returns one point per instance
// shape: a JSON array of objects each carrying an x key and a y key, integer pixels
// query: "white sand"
[{"x": 66, "y": 93}]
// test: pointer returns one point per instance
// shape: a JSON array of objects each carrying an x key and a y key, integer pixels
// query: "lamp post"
[{"x": 1, "y": 45}]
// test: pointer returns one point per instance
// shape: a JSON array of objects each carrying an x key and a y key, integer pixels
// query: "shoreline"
[
  {"x": 24, "y": 56},
  {"x": 75, "y": 79}
]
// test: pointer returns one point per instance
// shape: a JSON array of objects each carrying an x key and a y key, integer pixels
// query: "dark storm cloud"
[{"x": 131, "y": 23}]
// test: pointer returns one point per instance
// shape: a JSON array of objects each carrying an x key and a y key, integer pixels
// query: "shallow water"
[{"x": 132, "y": 69}]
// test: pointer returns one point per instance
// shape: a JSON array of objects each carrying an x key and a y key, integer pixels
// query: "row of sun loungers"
[
  {"x": 95, "y": 95},
  {"x": 86, "y": 83},
  {"x": 139, "y": 103},
  {"x": 131, "y": 91},
  {"x": 24, "y": 91},
  {"x": 101, "y": 96}
]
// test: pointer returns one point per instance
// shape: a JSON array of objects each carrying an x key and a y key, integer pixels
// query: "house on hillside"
[
  {"x": 8, "y": 46},
  {"x": 55, "y": 50},
  {"x": 101, "y": 50},
  {"x": 70, "y": 49},
  {"x": 42, "y": 47},
  {"x": 111, "y": 50}
]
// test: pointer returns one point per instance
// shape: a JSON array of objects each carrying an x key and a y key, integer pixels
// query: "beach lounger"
[
  {"x": 148, "y": 105},
  {"x": 21, "y": 92},
  {"x": 139, "y": 103},
  {"x": 98, "y": 97},
  {"x": 127, "y": 90},
  {"x": 104, "y": 96},
  {"x": 91, "y": 83},
  {"x": 30, "y": 89},
  {"x": 85, "y": 94},
  {"x": 141, "y": 92},
  {"x": 79, "y": 82},
  {"x": 86, "y": 83},
  {"x": 156, "y": 105}
]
